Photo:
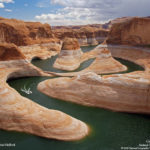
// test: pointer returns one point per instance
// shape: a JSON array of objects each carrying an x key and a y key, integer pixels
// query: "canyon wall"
[
  {"x": 10, "y": 52},
  {"x": 69, "y": 57},
  {"x": 135, "y": 31},
  {"x": 86, "y": 35},
  {"x": 24, "y": 33},
  {"x": 33, "y": 38}
]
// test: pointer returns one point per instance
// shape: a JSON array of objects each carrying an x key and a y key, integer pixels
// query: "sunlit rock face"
[
  {"x": 105, "y": 63},
  {"x": 24, "y": 33},
  {"x": 21, "y": 114},
  {"x": 121, "y": 92},
  {"x": 69, "y": 57},
  {"x": 18, "y": 113},
  {"x": 134, "y": 31},
  {"x": 86, "y": 35},
  {"x": 41, "y": 51},
  {"x": 10, "y": 52},
  {"x": 116, "y": 92},
  {"x": 33, "y": 38}
]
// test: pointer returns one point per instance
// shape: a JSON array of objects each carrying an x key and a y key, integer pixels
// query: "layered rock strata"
[
  {"x": 104, "y": 63},
  {"x": 86, "y": 35},
  {"x": 24, "y": 33},
  {"x": 33, "y": 38},
  {"x": 135, "y": 32},
  {"x": 121, "y": 92},
  {"x": 41, "y": 51},
  {"x": 70, "y": 55},
  {"x": 18, "y": 113}
]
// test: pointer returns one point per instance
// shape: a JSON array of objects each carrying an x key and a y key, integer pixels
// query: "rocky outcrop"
[
  {"x": 117, "y": 20},
  {"x": 104, "y": 63},
  {"x": 41, "y": 51},
  {"x": 33, "y": 38},
  {"x": 24, "y": 33},
  {"x": 10, "y": 52},
  {"x": 69, "y": 57},
  {"x": 86, "y": 35},
  {"x": 18, "y": 113},
  {"x": 116, "y": 92},
  {"x": 121, "y": 92},
  {"x": 135, "y": 31}
]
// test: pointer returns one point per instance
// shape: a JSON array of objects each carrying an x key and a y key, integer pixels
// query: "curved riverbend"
[
  {"x": 47, "y": 65},
  {"x": 110, "y": 130}
]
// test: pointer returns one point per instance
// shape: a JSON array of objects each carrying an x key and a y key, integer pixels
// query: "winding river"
[{"x": 110, "y": 130}]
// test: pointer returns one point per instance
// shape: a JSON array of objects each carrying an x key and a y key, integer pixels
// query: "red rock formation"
[
  {"x": 70, "y": 44},
  {"x": 69, "y": 57},
  {"x": 117, "y": 20},
  {"x": 24, "y": 33},
  {"x": 10, "y": 52},
  {"x": 86, "y": 35},
  {"x": 135, "y": 31}
]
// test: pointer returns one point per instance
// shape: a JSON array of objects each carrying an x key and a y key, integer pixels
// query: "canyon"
[
  {"x": 121, "y": 92},
  {"x": 18, "y": 113},
  {"x": 86, "y": 35},
  {"x": 110, "y": 91},
  {"x": 21, "y": 42}
]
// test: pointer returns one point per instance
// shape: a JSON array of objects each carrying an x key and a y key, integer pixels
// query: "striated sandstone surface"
[
  {"x": 10, "y": 52},
  {"x": 41, "y": 51},
  {"x": 69, "y": 57},
  {"x": 104, "y": 63},
  {"x": 24, "y": 33},
  {"x": 18, "y": 113},
  {"x": 121, "y": 92},
  {"x": 33, "y": 38},
  {"x": 134, "y": 31},
  {"x": 86, "y": 35}
]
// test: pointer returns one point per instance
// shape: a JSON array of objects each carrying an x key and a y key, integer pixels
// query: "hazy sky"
[{"x": 68, "y": 12}]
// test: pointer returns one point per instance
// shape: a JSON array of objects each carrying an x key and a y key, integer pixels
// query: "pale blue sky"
[{"x": 67, "y": 12}]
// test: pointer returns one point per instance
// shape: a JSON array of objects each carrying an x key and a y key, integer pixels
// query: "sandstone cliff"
[
  {"x": 33, "y": 38},
  {"x": 135, "y": 31},
  {"x": 24, "y": 33},
  {"x": 10, "y": 52},
  {"x": 86, "y": 35},
  {"x": 104, "y": 63},
  {"x": 69, "y": 57}
]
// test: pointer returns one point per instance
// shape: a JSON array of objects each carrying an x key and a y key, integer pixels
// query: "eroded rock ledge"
[
  {"x": 86, "y": 35},
  {"x": 104, "y": 63},
  {"x": 69, "y": 57},
  {"x": 121, "y": 92},
  {"x": 18, "y": 113}
]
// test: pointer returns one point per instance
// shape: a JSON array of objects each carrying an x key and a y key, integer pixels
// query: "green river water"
[{"x": 110, "y": 130}]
